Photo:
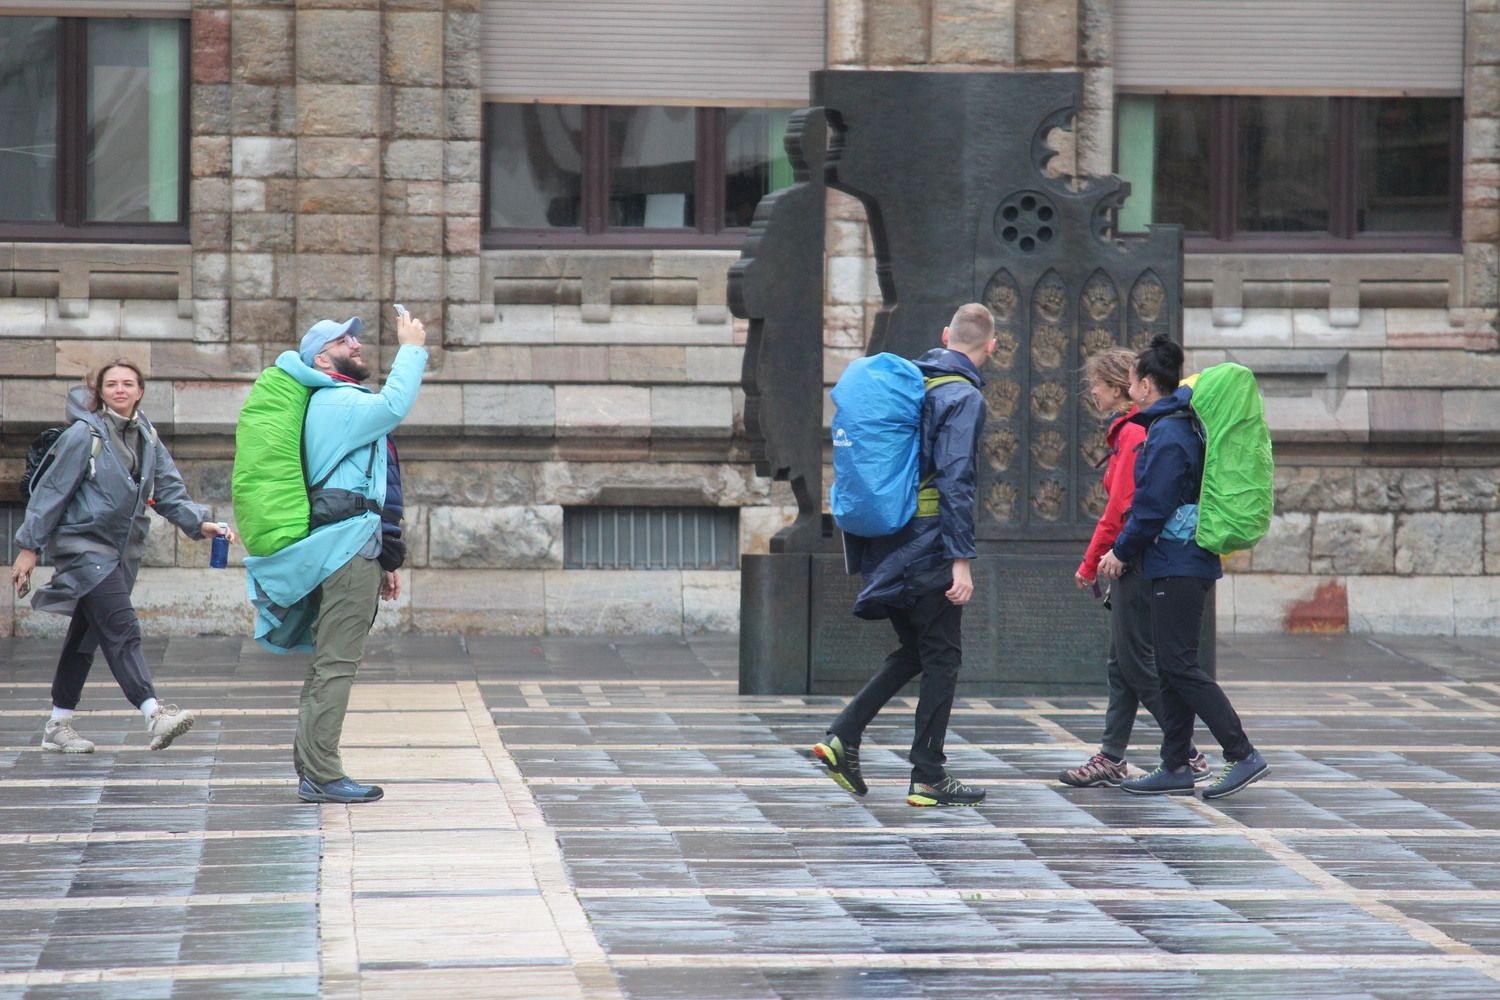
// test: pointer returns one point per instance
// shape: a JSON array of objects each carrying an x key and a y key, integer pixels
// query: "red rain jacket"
[{"x": 1124, "y": 440}]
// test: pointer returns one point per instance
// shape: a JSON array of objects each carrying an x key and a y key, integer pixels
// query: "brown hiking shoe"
[{"x": 1097, "y": 770}]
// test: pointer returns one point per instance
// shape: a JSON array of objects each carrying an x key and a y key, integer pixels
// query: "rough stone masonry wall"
[{"x": 335, "y": 164}]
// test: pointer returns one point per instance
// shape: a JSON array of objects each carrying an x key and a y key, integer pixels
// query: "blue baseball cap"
[{"x": 324, "y": 332}]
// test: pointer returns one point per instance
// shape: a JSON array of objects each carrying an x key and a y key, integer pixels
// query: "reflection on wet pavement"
[{"x": 608, "y": 818}]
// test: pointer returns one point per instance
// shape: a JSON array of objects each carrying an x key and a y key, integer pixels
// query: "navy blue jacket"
[
  {"x": 900, "y": 568},
  {"x": 393, "y": 546},
  {"x": 1168, "y": 474}
]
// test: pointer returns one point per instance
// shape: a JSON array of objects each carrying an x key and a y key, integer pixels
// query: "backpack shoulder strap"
[
  {"x": 369, "y": 465},
  {"x": 1196, "y": 423},
  {"x": 927, "y": 494}
]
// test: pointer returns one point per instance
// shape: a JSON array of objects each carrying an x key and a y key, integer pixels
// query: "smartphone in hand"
[
  {"x": 400, "y": 310},
  {"x": 23, "y": 588}
]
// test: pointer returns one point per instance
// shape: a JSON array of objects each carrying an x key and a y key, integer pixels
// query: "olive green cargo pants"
[{"x": 350, "y": 598}]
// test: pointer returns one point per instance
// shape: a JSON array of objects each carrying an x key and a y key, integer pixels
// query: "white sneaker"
[
  {"x": 59, "y": 735},
  {"x": 166, "y": 724}
]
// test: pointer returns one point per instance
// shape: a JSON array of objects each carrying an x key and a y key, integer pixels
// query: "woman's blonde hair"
[
  {"x": 96, "y": 381},
  {"x": 1111, "y": 367}
]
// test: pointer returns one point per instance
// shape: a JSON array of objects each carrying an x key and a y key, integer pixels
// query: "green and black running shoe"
[
  {"x": 842, "y": 763},
  {"x": 948, "y": 792}
]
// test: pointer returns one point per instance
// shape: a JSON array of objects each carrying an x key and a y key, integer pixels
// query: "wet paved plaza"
[{"x": 584, "y": 818}]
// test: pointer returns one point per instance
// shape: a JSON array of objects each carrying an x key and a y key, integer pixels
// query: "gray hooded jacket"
[{"x": 89, "y": 514}]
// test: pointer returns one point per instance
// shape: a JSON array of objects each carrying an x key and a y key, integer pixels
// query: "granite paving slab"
[{"x": 585, "y": 817}]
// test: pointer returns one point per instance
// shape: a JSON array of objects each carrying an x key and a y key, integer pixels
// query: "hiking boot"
[
  {"x": 1202, "y": 769},
  {"x": 59, "y": 736},
  {"x": 166, "y": 724},
  {"x": 948, "y": 792},
  {"x": 1237, "y": 775},
  {"x": 1178, "y": 781},
  {"x": 842, "y": 762},
  {"x": 1097, "y": 770},
  {"x": 345, "y": 790}
]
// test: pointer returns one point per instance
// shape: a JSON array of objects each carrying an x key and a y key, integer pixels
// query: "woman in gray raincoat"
[{"x": 88, "y": 510}]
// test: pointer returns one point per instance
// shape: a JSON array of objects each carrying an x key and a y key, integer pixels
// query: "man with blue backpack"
[{"x": 913, "y": 495}]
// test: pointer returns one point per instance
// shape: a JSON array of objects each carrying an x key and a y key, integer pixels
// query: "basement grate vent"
[{"x": 651, "y": 538}]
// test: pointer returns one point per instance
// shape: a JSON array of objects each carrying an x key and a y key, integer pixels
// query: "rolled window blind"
[
  {"x": 652, "y": 51},
  {"x": 99, "y": 8},
  {"x": 1290, "y": 46}
]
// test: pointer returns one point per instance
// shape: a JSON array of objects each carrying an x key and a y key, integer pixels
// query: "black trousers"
[
  {"x": 931, "y": 645},
  {"x": 1186, "y": 691},
  {"x": 1131, "y": 664},
  {"x": 104, "y": 619}
]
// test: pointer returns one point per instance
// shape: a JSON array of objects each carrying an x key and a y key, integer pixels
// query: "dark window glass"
[
  {"x": 1282, "y": 175},
  {"x": 652, "y": 167},
  {"x": 755, "y": 160},
  {"x": 535, "y": 166},
  {"x": 134, "y": 154},
  {"x": 1405, "y": 165},
  {"x": 1180, "y": 179},
  {"x": 28, "y": 119}
]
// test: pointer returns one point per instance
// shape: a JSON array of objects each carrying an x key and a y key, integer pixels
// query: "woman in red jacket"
[{"x": 1131, "y": 665}]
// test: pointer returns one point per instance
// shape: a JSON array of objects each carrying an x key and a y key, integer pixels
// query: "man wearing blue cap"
[{"x": 322, "y": 593}]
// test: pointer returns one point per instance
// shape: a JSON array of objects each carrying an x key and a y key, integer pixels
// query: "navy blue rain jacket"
[
  {"x": 393, "y": 546},
  {"x": 900, "y": 568},
  {"x": 1168, "y": 474},
  {"x": 394, "y": 507}
]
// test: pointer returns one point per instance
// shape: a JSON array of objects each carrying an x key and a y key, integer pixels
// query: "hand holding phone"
[
  {"x": 20, "y": 571},
  {"x": 409, "y": 329}
]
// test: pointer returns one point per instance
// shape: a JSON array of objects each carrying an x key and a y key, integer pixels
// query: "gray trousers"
[{"x": 1131, "y": 666}]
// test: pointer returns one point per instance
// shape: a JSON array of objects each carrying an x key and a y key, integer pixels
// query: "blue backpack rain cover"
[{"x": 876, "y": 439}]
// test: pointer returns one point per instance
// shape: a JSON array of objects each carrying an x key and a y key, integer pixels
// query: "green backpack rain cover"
[
  {"x": 268, "y": 484},
  {"x": 1234, "y": 510}
]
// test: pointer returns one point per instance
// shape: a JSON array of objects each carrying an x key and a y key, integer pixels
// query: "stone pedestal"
[{"x": 1028, "y": 631}]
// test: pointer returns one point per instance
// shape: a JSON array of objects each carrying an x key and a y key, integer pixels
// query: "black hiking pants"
[
  {"x": 104, "y": 619},
  {"x": 1176, "y": 622},
  {"x": 931, "y": 646}
]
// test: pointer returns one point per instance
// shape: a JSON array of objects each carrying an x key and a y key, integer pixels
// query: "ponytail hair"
[{"x": 1161, "y": 363}]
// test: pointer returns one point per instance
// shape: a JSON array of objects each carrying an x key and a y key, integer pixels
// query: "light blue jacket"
[{"x": 343, "y": 421}]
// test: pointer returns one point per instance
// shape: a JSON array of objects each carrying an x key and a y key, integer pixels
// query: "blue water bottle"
[{"x": 218, "y": 557}]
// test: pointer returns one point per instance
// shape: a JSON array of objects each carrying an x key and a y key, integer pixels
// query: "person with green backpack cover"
[
  {"x": 321, "y": 592},
  {"x": 1160, "y": 539}
]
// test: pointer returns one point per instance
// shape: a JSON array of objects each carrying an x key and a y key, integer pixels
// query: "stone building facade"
[{"x": 336, "y": 163}]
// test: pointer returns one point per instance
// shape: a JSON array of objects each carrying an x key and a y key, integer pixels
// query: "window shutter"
[
  {"x": 652, "y": 51},
  {"x": 1339, "y": 47}
]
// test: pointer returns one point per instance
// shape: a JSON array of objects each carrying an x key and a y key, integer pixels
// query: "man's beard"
[{"x": 350, "y": 368}]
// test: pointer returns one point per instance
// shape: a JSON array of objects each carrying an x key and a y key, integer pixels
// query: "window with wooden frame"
[
  {"x": 620, "y": 176},
  {"x": 93, "y": 129},
  {"x": 1294, "y": 174}
]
